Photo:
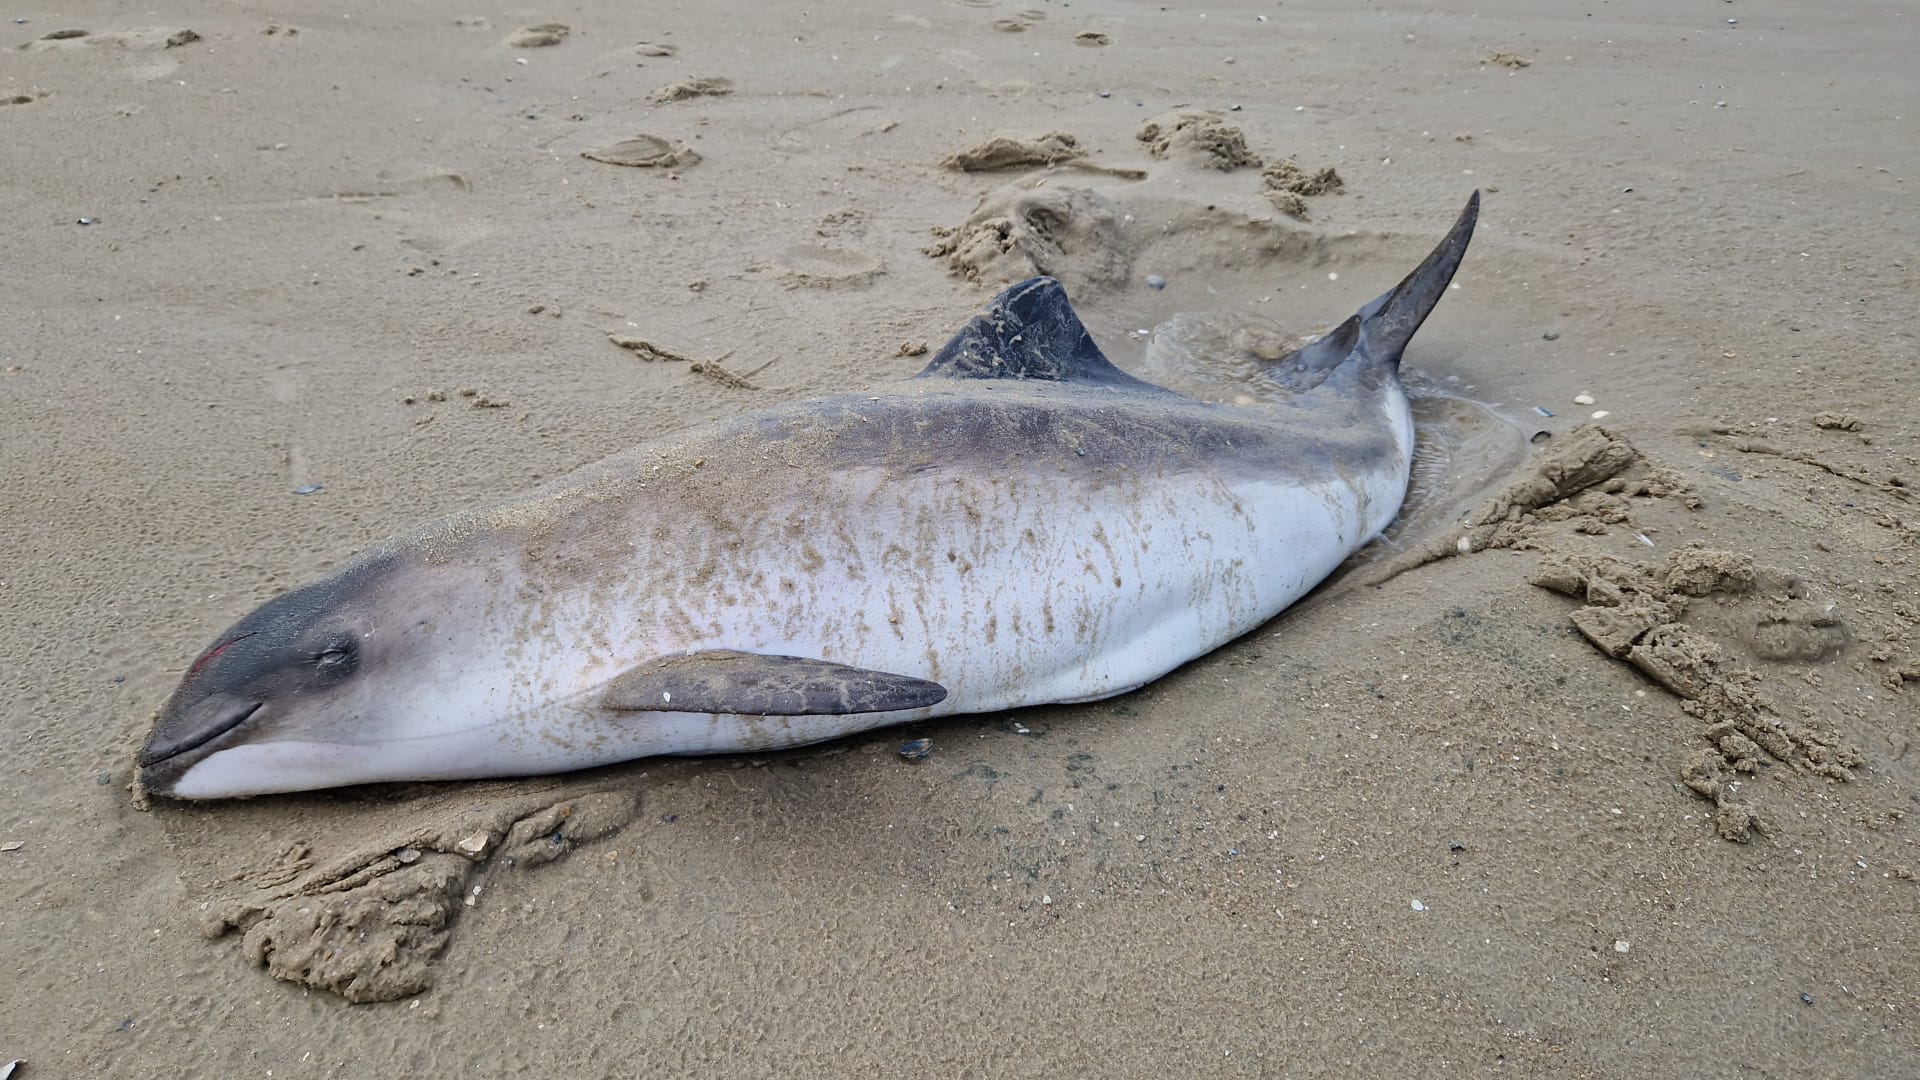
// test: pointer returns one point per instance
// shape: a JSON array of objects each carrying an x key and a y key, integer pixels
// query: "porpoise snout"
[{"x": 180, "y": 730}]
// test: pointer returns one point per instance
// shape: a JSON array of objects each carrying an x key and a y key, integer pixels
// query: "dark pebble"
[{"x": 916, "y": 750}]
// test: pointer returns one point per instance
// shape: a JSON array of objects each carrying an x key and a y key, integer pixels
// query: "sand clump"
[
  {"x": 1288, "y": 186},
  {"x": 1639, "y": 613},
  {"x": 1011, "y": 152},
  {"x": 545, "y": 35},
  {"x": 707, "y": 86},
  {"x": 1071, "y": 233},
  {"x": 1671, "y": 622},
  {"x": 370, "y": 923},
  {"x": 1197, "y": 136}
]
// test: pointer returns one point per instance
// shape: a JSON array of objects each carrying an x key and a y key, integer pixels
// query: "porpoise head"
[{"x": 319, "y": 687}]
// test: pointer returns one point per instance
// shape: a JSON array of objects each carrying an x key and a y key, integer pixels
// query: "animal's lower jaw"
[{"x": 272, "y": 768}]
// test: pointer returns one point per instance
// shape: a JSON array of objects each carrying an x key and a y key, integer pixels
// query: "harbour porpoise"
[{"x": 1021, "y": 523}]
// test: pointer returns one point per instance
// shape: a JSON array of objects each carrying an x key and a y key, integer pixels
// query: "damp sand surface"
[{"x": 1599, "y": 765}]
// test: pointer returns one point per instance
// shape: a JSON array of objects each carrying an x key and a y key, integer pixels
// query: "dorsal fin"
[{"x": 1028, "y": 331}]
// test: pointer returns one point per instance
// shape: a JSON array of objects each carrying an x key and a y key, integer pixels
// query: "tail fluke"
[{"x": 1379, "y": 331}]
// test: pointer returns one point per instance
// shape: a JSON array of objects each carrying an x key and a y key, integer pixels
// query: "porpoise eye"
[{"x": 338, "y": 659}]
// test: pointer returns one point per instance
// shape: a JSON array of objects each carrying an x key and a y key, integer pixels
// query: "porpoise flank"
[{"x": 1021, "y": 523}]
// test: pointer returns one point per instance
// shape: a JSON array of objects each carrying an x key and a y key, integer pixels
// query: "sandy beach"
[{"x": 1618, "y": 782}]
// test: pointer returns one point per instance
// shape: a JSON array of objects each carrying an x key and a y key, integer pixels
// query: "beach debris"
[
  {"x": 538, "y": 37},
  {"x": 647, "y": 350},
  {"x": 1551, "y": 335},
  {"x": 8, "y": 1070},
  {"x": 916, "y": 749},
  {"x": 712, "y": 369},
  {"x": 309, "y": 489},
  {"x": 1542, "y": 410},
  {"x": 407, "y": 856},
  {"x": 1621, "y": 945},
  {"x": 708, "y": 86},
  {"x": 1583, "y": 398},
  {"x": 1418, "y": 906},
  {"x": 1155, "y": 281},
  {"x": 644, "y": 152},
  {"x": 13, "y": 845},
  {"x": 655, "y": 48},
  {"x": 475, "y": 844}
]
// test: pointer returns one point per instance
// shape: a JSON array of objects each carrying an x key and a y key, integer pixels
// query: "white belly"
[{"x": 1010, "y": 592}]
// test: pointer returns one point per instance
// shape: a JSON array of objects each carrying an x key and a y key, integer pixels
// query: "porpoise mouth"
[{"x": 194, "y": 727}]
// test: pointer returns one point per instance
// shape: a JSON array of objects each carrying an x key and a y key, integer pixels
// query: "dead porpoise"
[{"x": 1021, "y": 523}]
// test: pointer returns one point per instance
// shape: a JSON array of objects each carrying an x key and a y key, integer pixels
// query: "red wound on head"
[{"x": 207, "y": 657}]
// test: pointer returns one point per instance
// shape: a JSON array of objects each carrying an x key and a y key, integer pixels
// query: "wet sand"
[{"x": 1624, "y": 788}]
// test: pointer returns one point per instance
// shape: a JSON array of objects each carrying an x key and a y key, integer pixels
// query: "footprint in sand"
[
  {"x": 136, "y": 37},
  {"x": 644, "y": 152},
  {"x": 821, "y": 267},
  {"x": 837, "y": 129}
]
